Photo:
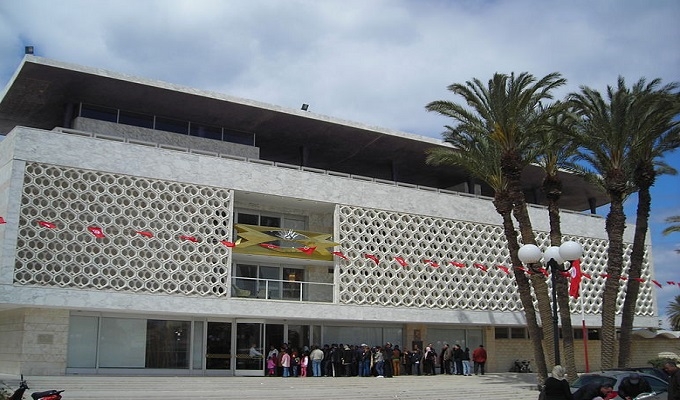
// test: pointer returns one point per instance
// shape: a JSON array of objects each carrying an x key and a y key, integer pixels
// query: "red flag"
[
  {"x": 188, "y": 238},
  {"x": 269, "y": 246},
  {"x": 623, "y": 278},
  {"x": 656, "y": 283},
  {"x": 575, "y": 282},
  {"x": 96, "y": 231},
  {"x": 544, "y": 272},
  {"x": 588, "y": 276},
  {"x": 641, "y": 280},
  {"x": 339, "y": 254},
  {"x": 503, "y": 268},
  {"x": 228, "y": 243},
  {"x": 525, "y": 270},
  {"x": 432, "y": 263},
  {"x": 145, "y": 233},
  {"x": 372, "y": 257},
  {"x": 480, "y": 266},
  {"x": 401, "y": 261},
  {"x": 605, "y": 275},
  {"x": 46, "y": 224},
  {"x": 670, "y": 283},
  {"x": 457, "y": 264},
  {"x": 2, "y": 221},
  {"x": 307, "y": 250},
  {"x": 565, "y": 274}
]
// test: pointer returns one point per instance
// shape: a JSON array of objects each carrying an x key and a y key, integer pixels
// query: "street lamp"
[{"x": 554, "y": 257}]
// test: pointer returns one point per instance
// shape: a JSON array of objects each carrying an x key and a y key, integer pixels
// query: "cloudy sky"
[{"x": 377, "y": 62}]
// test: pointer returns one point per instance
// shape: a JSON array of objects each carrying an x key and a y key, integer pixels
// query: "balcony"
[{"x": 277, "y": 289}]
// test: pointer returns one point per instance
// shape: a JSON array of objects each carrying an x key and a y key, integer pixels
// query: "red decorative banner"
[
  {"x": 307, "y": 250},
  {"x": 46, "y": 224},
  {"x": 339, "y": 254},
  {"x": 432, "y": 263},
  {"x": 145, "y": 233},
  {"x": 96, "y": 231},
  {"x": 656, "y": 283},
  {"x": 401, "y": 261},
  {"x": 228, "y": 243},
  {"x": 269, "y": 246},
  {"x": 188, "y": 238},
  {"x": 457, "y": 264},
  {"x": 372, "y": 257},
  {"x": 2, "y": 221},
  {"x": 480, "y": 266},
  {"x": 504, "y": 269}
]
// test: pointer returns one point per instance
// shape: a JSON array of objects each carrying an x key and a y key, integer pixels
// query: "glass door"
[
  {"x": 249, "y": 348},
  {"x": 218, "y": 346}
]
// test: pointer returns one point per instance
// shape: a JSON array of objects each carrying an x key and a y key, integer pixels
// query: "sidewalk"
[{"x": 501, "y": 386}]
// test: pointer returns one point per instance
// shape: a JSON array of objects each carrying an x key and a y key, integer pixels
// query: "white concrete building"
[{"x": 162, "y": 229}]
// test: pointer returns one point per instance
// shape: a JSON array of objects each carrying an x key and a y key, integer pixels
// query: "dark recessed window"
[
  {"x": 99, "y": 113},
  {"x": 518, "y": 333},
  {"x": 206, "y": 131},
  {"x": 239, "y": 137},
  {"x": 171, "y": 125},
  {"x": 502, "y": 333},
  {"x": 135, "y": 119}
]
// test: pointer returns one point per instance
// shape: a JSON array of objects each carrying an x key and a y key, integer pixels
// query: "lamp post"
[{"x": 554, "y": 256}]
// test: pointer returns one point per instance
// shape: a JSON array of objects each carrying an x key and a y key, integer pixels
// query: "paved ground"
[{"x": 504, "y": 386}]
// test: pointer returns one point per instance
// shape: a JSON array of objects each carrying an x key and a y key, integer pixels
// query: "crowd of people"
[{"x": 385, "y": 361}]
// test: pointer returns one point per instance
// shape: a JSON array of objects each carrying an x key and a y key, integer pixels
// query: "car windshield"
[{"x": 584, "y": 380}]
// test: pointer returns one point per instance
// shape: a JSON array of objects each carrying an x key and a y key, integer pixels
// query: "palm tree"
[
  {"x": 605, "y": 130},
  {"x": 504, "y": 113},
  {"x": 554, "y": 151},
  {"x": 673, "y": 311},
  {"x": 673, "y": 228},
  {"x": 657, "y": 132}
]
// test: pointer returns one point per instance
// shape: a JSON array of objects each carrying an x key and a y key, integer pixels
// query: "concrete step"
[{"x": 487, "y": 387}]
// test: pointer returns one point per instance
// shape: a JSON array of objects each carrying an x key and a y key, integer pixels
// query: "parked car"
[
  {"x": 659, "y": 373},
  {"x": 659, "y": 386}
]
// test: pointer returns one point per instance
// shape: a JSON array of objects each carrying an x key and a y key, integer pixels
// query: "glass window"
[
  {"x": 266, "y": 220},
  {"x": 248, "y": 219},
  {"x": 518, "y": 333},
  {"x": 197, "y": 345},
  {"x": 98, "y": 112},
  {"x": 82, "y": 342},
  {"x": 171, "y": 125},
  {"x": 502, "y": 333},
  {"x": 135, "y": 119},
  {"x": 122, "y": 343},
  {"x": 167, "y": 344},
  {"x": 239, "y": 137},
  {"x": 205, "y": 131}
]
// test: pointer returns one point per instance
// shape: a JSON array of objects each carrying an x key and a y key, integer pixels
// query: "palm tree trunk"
[
  {"x": 615, "y": 226},
  {"x": 504, "y": 208},
  {"x": 633, "y": 285}
]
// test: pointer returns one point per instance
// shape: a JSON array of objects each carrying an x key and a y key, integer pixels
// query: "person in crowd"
[
  {"x": 387, "y": 356},
  {"x": 633, "y": 385},
  {"x": 327, "y": 361},
  {"x": 273, "y": 352},
  {"x": 336, "y": 356},
  {"x": 365, "y": 360},
  {"x": 595, "y": 390},
  {"x": 254, "y": 352},
  {"x": 294, "y": 363},
  {"x": 428, "y": 360},
  {"x": 406, "y": 362},
  {"x": 316, "y": 356},
  {"x": 467, "y": 371},
  {"x": 347, "y": 360},
  {"x": 396, "y": 360},
  {"x": 379, "y": 362},
  {"x": 447, "y": 357},
  {"x": 285, "y": 363},
  {"x": 416, "y": 359},
  {"x": 479, "y": 359},
  {"x": 458, "y": 358},
  {"x": 672, "y": 369},
  {"x": 556, "y": 386},
  {"x": 271, "y": 366},
  {"x": 304, "y": 363}
]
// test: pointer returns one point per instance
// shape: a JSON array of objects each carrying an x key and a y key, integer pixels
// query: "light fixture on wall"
[
  {"x": 28, "y": 50},
  {"x": 305, "y": 106}
]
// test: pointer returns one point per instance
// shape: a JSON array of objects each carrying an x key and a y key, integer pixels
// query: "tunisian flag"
[{"x": 575, "y": 282}]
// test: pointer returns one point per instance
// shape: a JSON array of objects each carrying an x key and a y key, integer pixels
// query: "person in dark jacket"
[
  {"x": 672, "y": 370},
  {"x": 633, "y": 385},
  {"x": 595, "y": 389},
  {"x": 556, "y": 387},
  {"x": 458, "y": 354}
]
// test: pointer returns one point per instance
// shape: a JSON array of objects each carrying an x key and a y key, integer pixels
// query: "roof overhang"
[{"x": 41, "y": 90}]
